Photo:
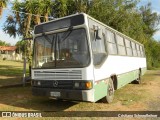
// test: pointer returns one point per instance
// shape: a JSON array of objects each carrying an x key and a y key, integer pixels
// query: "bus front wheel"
[{"x": 110, "y": 92}]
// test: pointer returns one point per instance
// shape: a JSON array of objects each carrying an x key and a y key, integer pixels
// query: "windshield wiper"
[
  {"x": 47, "y": 38},
  {"x": 65, "y": 35}
]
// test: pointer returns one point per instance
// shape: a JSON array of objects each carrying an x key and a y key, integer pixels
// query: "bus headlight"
[
  {"x": 76, "y": 84},
  {"x": 36, "y": 83}
]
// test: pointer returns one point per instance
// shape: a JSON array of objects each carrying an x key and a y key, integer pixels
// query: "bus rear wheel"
[
  {"x": 110, "y": 92},
  {"x": 138, "y": 80}
]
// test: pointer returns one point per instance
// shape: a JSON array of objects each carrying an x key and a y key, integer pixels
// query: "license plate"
[{"x": 55, "y": 94}]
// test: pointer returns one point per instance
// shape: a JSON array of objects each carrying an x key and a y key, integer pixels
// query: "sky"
[{"x": 13, "y": 41}]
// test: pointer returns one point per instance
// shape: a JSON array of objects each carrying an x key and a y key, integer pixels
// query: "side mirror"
[
  {"x": 97, "y": 32},
  {"x": 97, "y": 35}
]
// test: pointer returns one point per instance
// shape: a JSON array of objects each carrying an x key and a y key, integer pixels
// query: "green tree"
[
  {"x": 150, "y": 19},
  {"x": 29, "y": 8},
  {"x": 3, "y": 43},
  {"x": 47, "y": 7},
  {"x": 150, "y": 22},
  {"x": 21, "y": 46},
  {"x": 60, "y": 8},
  {"x": 10, "y": 26}
]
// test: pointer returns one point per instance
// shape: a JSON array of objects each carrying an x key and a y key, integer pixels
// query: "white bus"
[{"x": 79, "y": 58}]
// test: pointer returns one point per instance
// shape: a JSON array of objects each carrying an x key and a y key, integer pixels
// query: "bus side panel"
[
  {"x": 126, "y": 68},
  {"x": 100, "y": 89},
  {"x": 118, "y": 65},
  {"x": 126, "y": 78}
]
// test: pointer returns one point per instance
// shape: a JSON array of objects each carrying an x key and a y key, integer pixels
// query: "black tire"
[
  {"x": 138, "y": 80},
  {"x": 110, "y": 92}
]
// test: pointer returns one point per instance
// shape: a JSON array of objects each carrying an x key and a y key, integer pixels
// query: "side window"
[
  {"x": 134, "y": 49},
  {"x": 98, "y": 48},
  {"x": 141, "y": 51},
  {"x": 121, "y": 47},
  {"x": 112, "y": 47},
  {"x": 128, "y": 47},
  {"x": 138, "y": 50}
]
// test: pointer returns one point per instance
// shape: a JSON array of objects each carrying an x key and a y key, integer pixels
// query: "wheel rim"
[{"x": 110, "y": 89}]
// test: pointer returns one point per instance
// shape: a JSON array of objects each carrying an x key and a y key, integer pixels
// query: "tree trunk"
[
  {"x": 28, "y": 24},
  {"x": 1, "y": 11},
  {"x": 46, "y": 17},
  {"x": 37, "y": 19}
]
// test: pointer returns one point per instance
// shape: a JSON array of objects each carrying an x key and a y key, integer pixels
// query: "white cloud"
[
  {"x": 7, "y": 38},
  {"x": 158, "y": 12}
]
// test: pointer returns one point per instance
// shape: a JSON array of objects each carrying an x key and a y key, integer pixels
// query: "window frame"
[
  {"x": 105, "y": 52},
  {"x": 107, "y": 31},
  {"x": 120, "y": 45},
  {"x": 128, "y": 47}
]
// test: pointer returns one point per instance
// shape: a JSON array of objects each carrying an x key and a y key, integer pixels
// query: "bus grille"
[
  {"x": 61, "y": 84},
  {"x": 58, "y": 75}
]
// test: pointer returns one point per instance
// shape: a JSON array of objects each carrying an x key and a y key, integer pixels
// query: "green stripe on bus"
[
  {"x": 100, "y": 90},
  {"x": 126, "y": 78}
]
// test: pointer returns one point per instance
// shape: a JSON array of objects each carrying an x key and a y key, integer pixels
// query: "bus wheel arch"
[
  {"x": 110, "y": 92},
  {"x": 112, "y": 86}
]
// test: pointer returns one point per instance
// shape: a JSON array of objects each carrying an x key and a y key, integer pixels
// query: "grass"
[
  {"x": 130, "y": 94},
  {"x": 11, "y": 72},
  {"x": 11, "y": 67}
]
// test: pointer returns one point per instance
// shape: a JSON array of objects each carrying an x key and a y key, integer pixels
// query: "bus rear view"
[{"x": 61, "y": 60}]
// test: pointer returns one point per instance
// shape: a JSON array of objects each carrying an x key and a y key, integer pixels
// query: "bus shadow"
[{"x": 20, "y": 98}]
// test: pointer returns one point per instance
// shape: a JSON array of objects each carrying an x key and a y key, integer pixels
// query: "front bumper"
[{"x": 80, "y": 95}]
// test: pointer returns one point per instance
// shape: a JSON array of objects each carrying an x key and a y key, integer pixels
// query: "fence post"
[{"x": 24, "y": 72}]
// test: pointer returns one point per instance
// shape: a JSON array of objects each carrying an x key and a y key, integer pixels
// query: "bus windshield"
[{"x": 61, "y": 50}]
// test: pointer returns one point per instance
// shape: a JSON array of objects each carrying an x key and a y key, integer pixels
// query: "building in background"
[{"x": 9, "y": 53}]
